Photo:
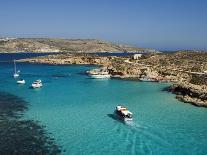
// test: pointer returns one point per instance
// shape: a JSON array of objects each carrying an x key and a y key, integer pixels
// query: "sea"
[{"x": 77, "y": 111}]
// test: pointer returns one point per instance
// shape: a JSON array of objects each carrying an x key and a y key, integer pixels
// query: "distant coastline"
[{"x": 44, "y": 45}]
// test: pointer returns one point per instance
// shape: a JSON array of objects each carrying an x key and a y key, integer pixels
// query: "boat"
[
  {"x": 102, "y": 75},
  {"x": 123, "y": 113},
  {"x": 99, "y": 74},
  {"x": 22, "y": 81},
  {"x": 147, "y": 79},
  {"x": 16, "y": 73},
  {"x": 37, "y": 84}
]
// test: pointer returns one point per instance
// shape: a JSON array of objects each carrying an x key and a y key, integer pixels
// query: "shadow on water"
[
  {"x": 166, "y": 89},
  {"x": 21, "y": 136},
  {"x": 81, "y": 73},
  {"x": 30, "y": 87}
]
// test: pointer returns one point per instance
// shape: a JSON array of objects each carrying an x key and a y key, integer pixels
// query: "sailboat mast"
[{"x": 15, "y": 71}]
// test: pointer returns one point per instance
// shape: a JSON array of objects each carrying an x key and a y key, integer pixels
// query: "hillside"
[{"x": 64, "y": 45}]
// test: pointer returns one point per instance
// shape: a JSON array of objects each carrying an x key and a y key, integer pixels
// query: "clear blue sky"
[{"x": 159, "y": 24}]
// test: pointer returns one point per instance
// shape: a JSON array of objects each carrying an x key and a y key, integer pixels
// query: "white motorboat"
[
  {"x": 102, "y": 75},
  {"x": 37, "y": 84},
  {"x": 99, "y": 74},
  {"x": 16, "y": 73},
  {"x": 22, "y": 81},
  {"x": 123, "y": 113}
]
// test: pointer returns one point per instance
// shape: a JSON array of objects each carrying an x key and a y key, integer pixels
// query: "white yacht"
[
  {"x": 37, "y": 84},
  {"x": 16, "y": 73},
  {"x": 123, "y": 113},
  {"x": 22, "y": 81},
  {"x": 99, "y": 74},
  {"x": 102, "y": 75}
]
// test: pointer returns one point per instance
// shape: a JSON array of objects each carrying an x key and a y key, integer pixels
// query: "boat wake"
[
  {"x": 128, "y": 123},
  {"x": 141, "y": 132},
  {"x": 147, "y": 132},
  {"x": 133, "y": 124},
  {"x": 136, "y": 134}
]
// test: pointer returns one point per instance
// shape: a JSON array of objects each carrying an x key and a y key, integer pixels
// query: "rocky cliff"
[{"x": 191, "y": 93}]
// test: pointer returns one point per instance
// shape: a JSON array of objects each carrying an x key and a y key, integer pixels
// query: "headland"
[{"x": 186, "y": 70}]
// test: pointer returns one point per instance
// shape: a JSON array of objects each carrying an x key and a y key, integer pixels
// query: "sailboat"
[{"x": 16, "y": 74}]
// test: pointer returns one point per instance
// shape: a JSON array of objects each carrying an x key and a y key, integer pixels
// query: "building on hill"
[{"x": 137, "y": 56}]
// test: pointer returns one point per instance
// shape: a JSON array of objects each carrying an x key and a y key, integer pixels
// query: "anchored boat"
[
  {"x": 99, "y": 74},
  {"x": 16, "y": 73},
  {"x": 123, "y": 113},
  {"x": 22, "y": 81},
  {"x": 37, "y": 84}
]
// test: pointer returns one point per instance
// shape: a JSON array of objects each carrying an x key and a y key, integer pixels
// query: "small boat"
[
  {"x": 147, "y": 79},
  {"x": 16, "y": 73},
  {"x": 123, "y": 113},
  {"x": 99, "y": 74},
  {"x": 22, "y": 81},
  {"x": 102, "y": 75},
  {"x": 37, "y": 84}
]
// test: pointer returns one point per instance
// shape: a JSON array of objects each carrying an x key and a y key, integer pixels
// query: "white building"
[{"x": 137, "y": 56}]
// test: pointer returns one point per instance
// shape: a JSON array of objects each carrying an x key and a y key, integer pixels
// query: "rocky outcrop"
[{"x": 190, "y": 93}]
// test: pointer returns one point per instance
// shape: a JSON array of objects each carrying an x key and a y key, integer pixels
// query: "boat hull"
[
  {"x": 121, "y": 117},
  {"x": 100, "y": 76},
  {"x": 36, "y": 85},
  {"x": 16, "y": 75},
  {"x": 20, "y": 82}
]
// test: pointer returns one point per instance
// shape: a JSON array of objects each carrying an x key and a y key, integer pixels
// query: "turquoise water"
[{"x": 77, "y": 110}]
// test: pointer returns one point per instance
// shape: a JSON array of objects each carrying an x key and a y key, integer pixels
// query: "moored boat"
[
  {"x": 16, "y": 73},
  {"x": 123, "y": 113},
  {"x": 22, "y": 81},
  {"x": 37, "y": 84},
  {"x": 99, "y": 74}
]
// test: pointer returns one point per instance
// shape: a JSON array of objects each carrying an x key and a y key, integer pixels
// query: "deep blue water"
[
  {"x": 77, "y": 110},
  {"x": 12, "y": 56}
]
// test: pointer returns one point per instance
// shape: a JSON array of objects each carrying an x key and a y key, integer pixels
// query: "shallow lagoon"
[{"x": 77, "y": 110}]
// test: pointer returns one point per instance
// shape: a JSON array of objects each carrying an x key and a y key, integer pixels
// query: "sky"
[{"x": 158, "y": 24}]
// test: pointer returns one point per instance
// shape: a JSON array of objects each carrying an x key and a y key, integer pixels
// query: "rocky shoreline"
[
  {"x": 189, "y": 93},
  {"x": 186, "y": 70}
]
